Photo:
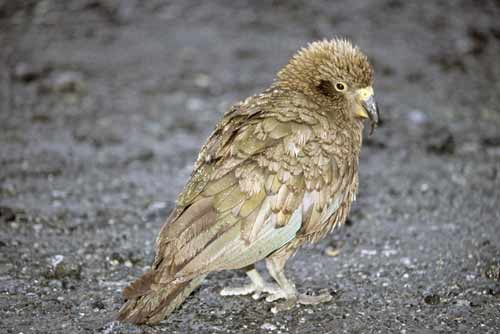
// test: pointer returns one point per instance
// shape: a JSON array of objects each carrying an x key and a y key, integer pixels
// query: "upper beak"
[{"x": 370, "y": 106}]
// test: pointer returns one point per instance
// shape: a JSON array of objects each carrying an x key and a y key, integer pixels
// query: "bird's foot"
[
  {"x": 255, "y": 289},
  {"x": 294, "y": 299}
]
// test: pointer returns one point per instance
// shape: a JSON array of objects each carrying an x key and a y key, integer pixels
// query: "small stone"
[
  {"x": 155, "y": 210},
  {"x": 55, "y": 284},
  {"x": 368, "y": 252},
  {"x": 55, "y": 260},
  {"x": 27, "y": 72},
  {"x": 432, "y": 299},
  {"x": 494, "y": 290},
  {"x": 407, "y": 262},
  {"x": 268, "y": 327},
  {"x": 330, "y": 251},
  {"x": 492, "y": 271},
  {"x": 98, "y": 304},
  {"x": 64, "y": 82},
  {"x": 7, "y": 214},
  {"x": 116, "y": 258},
  {"x": 492, "y": 141},
  {"x": 478, "y": 301},
  {"x": 157, "y": 206},
  {"x": 202, "y": 80},
  {"x": 334, "y": 248},
  {"x": 417, "y": 117},
  {"x": 60, "y": 268},
  {"x": 440, "y": 141}
]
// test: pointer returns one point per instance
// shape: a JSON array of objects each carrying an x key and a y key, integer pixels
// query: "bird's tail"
[{"x": 149, "y": 304}]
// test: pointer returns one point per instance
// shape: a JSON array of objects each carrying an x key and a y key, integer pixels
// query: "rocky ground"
[{"x": 103, "y": 107}]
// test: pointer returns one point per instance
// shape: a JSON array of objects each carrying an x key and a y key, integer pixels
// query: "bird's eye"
[{"x": 339, "y": 86}]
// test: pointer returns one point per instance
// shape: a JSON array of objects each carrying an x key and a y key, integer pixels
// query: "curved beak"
[{"x": 370, "y": 107}]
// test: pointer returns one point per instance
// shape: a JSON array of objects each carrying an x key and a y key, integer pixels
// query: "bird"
[{"x": 279, "y": 170}]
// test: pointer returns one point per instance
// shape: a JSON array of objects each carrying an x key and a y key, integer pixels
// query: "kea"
[{"x": 280, "y": 170}]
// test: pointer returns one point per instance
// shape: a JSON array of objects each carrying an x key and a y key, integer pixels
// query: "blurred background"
[{"x": 104, "y": 105}]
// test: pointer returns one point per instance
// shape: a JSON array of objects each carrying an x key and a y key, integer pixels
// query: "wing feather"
[
  {"x": 217, "y": 212},
  {"x": 257, "y": 184}
]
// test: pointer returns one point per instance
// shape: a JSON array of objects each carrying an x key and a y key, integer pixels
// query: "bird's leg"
[
  {"x": 276, "y": 267},
  {"x": 256, "y": 287}
]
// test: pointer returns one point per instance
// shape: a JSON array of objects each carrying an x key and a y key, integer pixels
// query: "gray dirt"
[{"x": 104, "y": 105}]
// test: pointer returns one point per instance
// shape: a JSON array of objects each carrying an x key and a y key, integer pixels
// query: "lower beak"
[{"x": 371, "y": 108}]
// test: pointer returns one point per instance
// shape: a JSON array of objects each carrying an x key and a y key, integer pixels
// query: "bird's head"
[{"x": 336, "y": 75}]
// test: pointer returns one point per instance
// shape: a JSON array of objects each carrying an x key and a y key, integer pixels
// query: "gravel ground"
[{"x": 104, "y": 105}]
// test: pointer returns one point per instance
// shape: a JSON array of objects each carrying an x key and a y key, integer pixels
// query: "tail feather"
[
  {"x": 152, "y": 297},
  {"x": 155, "y": 304},
  {"x": 139, "y": 287}
]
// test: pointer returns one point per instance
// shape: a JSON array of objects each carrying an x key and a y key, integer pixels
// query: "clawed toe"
[
  {"x": 275, "y": 295},
  {"x": 293, "y": 300}
]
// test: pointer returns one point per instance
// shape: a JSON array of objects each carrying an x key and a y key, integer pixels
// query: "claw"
[{"x": 256, "y": 295}]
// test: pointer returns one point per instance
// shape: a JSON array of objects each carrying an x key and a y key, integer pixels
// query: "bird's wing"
[
  {"x": 256, "y": 214},
  {"x": 245, "y": 198}
]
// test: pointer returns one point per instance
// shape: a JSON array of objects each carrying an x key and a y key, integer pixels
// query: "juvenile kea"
[{"x": 280, "y": 170}]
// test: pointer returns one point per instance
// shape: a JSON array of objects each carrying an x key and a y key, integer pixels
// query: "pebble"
[
  {"x": 27, "y": 72},
  {"x": 7, "y": 214},
  {"x": 493, "y": 141},
  {"x": 55, "y": 260},
  {"x": 269, "y": 327},
  {"x": 202, "y": 80},
  {"x": 331, "y": 251},
  {"x": 64, "y": 82},
  {"x": 368, "y": 252},
  {"x": 492, "y": 271},
  {"x": 157, "y": 206},
  {"x": 432, "y": 299},
  {"x": 440, "y": 141},
  {"x": 417, "y": 117},
  {"x": 195, "y": 104},
  {"x": 60, "y": 268},
  {"x": 463, "y": 302}
]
